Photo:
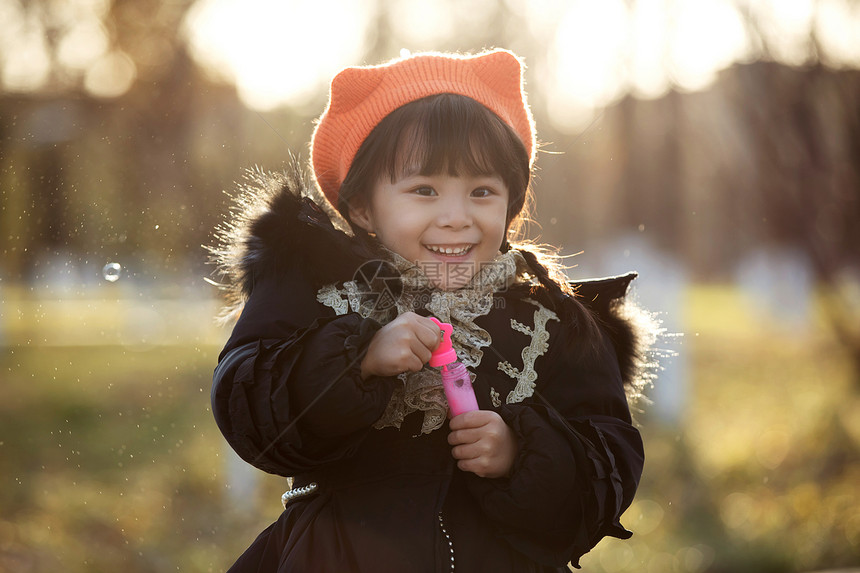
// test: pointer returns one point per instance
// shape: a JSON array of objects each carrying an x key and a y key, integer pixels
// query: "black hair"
[{"x": 442, "y": 133}]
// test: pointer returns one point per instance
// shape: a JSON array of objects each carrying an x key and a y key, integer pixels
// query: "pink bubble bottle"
[{"x": 455, "y": 377}]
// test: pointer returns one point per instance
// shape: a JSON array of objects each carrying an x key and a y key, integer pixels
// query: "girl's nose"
[{"x": 454, "y": 213}]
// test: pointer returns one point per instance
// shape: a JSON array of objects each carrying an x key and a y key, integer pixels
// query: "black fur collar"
[{"x": 274, "y": 223}]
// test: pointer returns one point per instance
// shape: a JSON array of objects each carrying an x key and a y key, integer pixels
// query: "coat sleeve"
[
  {"x": 287, "y": 392},
  {"x": 579, "y": 461}
]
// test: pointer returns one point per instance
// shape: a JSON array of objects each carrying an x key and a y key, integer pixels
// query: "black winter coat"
[{"x": 288, "y": 397}]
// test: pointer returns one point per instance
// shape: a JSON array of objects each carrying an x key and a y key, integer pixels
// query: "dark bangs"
[{"x": 444, "y": 133}]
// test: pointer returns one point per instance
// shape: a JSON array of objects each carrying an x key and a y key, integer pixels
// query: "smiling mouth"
[{"x": 454, "y": 250}]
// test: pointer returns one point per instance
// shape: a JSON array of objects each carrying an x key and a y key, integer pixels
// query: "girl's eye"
[
  {"x": 482, "y": 192},
  {"x": 424, "y": 191}
]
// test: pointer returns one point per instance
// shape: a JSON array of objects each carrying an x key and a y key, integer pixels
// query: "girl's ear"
[{"x": 361, "y": 215}]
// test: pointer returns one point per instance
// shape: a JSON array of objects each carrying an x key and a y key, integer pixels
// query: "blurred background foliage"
[{"x": 713, "y": 145}]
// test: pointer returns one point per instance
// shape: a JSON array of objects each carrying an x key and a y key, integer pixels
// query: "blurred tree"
[
  {"x": 125, "y": 143},
  {"x": 806, "y": 148},
  {"x": 96, "y": 172}
]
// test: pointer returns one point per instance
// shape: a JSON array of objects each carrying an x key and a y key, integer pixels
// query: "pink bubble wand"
[{"x": 455, "y": 378}]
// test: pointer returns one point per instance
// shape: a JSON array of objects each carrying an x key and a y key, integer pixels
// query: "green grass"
[{"x": 110, "y": 459}]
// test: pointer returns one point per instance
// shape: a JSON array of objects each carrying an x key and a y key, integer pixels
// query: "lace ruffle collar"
[{"x": 422, "y": 391}]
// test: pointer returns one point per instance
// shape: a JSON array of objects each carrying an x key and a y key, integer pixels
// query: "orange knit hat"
[{"x": 361, "y": 97}]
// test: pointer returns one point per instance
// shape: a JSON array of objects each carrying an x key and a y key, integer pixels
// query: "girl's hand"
[
  {"x": 403, "y": 345},
  {"x": 483, "y": 443}
]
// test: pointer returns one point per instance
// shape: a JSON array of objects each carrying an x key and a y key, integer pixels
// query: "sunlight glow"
[
  {"x": 592, "y": 53},
  {"x": 838, "y": 26},
  {"x": 422, "y": 22},
  {"x": 707, "y": 36},
  {"x": 275, "y": 50},
  {"x": 786, "y": 26},
  {"x": 604, "y": 49},
  {"x": 423, "y": 25},
  {"x": 111, "y": 75},
  {"x": 83, "y": 44},
  {"x": 26, "y": 64},
  {"x": 588, "y": 70},
  {"x": 648, "y": 50},
  {"x": 590, "y": 45}
]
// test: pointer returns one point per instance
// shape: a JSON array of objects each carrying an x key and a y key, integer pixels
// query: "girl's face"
[{"x": 448, "y": 225}]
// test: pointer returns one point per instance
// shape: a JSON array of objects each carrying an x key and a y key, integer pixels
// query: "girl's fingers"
[
  {"x": 423, "y": 331},
  {"x": 420, "y": 351},
  {"x": 461, "y": 453},
  {"x": 411, "y": 358},
  {"x": 417, "y": 363},
  {"x": 482, "y": 468},
  {"x": 467, "y": 436},
  {"x": 482, "y": 443},
  {"x": 428, "y": 333},
  {"x": 471, "y": 451},
  {"x": 475, "y": 419}
]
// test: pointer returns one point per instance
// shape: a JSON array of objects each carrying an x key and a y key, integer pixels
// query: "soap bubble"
[{"x": 111, "y": 272}]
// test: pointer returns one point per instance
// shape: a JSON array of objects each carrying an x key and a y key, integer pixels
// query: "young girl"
[{"x": 428, "y": 160}]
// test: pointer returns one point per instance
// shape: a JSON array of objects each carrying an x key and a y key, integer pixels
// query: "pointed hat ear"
[
  {"x": 500, "y": 70},
  {"x": 351, "y": 87}
]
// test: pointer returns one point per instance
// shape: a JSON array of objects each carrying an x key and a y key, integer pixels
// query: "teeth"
[{"x": 449, "y": 250}]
